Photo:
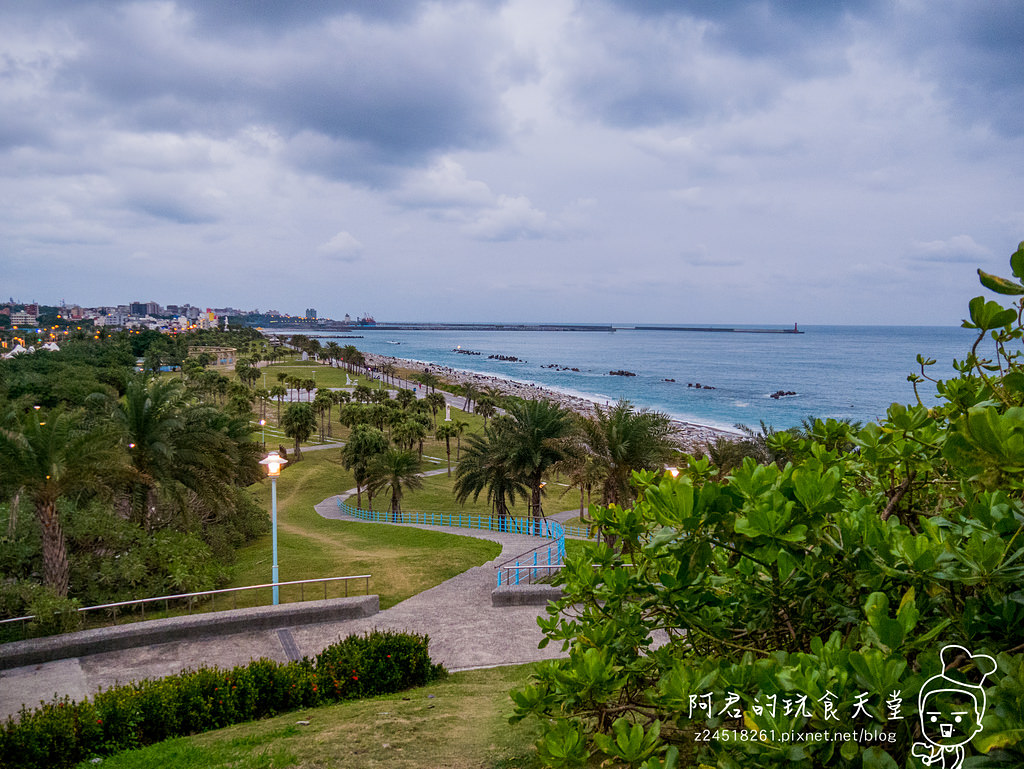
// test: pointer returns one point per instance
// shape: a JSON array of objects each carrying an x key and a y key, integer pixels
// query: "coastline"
[{"x": 691, "y": 436}]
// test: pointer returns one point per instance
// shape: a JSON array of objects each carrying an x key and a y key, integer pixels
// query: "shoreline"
[{"x": 691, "y": 436}]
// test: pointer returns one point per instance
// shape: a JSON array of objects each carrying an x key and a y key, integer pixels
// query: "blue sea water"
[{"x": 836, "y": 371}]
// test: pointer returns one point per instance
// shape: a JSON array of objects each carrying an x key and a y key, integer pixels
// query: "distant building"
[
  {"x": 144, "y": 308},
  {"x": 311, "y": 313},
  {"x": 23, "y": 318}
]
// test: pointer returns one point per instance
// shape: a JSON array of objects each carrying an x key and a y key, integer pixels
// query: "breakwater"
[
  {"x": 793, "y": 330},
  {"x": 491, "y": 327}
]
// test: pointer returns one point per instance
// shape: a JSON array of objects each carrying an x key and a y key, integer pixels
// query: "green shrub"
[
  {"x": 810, "y": 596},
  {"x": 63, "y": 733},
  {"x": 53, "y": 614}
]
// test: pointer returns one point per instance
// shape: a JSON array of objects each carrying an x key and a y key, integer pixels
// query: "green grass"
[
  {"x": 403, "y": 561},
  {"x": 460, "y": 722}
]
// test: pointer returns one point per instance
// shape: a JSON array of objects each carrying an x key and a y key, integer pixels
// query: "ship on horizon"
[{"x": 364, "y": 321}]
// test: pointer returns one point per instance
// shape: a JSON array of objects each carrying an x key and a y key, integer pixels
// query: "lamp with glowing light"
[{"x": 273, "y": 462}]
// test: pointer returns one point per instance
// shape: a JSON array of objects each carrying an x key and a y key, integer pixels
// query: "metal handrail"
[
  {"x": 143, "y": 602},
  {"x": 548, "y": 529}
]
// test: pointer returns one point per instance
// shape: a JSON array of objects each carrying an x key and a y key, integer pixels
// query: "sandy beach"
[{"x": 692, "y": 437}]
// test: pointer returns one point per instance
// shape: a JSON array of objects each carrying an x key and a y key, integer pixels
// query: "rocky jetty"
[
  {"x": 781, "y": 394},
  {"x": 621, "y": 372},
  {"x": 460, "y": 351},
  {"x": 699, "y": 386},
  {"x": 506, "y": 358}
]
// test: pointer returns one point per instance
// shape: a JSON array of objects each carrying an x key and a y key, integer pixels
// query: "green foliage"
[
  {"x": 53, "y": 613},
  {"x": 62, "y": 733},
  {"x": 836, "y": 568},
  {"x": 298, "y": 423},
  {"x": 123, "y": 497}
]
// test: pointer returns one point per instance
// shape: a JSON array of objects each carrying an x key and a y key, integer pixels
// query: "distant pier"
[
  {"x": 793, "y": 330},
  {"x": 335, "y": 326}
]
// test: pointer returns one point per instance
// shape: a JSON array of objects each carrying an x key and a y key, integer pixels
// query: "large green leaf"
[
  {"x": 1017, "y": 261},
  {"x": 1000, "y": 285},
  {"x": 989, "y": 315}
]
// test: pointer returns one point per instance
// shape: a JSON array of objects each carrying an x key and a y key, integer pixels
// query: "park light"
[
  {"x": 673, "y": 471},
  {"x": 273, "y": 462}
]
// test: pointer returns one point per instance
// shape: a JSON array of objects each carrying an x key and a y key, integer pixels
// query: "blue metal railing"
[
  {"x": 552, "y": 530},
  {"x": 528, "y": 567}
]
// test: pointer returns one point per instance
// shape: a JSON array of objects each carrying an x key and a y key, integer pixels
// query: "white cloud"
[
  {"x": 443, "y": 186},
  {"x": 512, "y": 218},
  {"x": 343, "y": 247}
]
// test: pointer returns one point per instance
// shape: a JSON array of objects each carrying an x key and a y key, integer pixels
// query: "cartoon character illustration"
[{"x": 951, "y": 710}]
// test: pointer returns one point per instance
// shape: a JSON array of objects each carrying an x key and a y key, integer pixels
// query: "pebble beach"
[{"x": 691, "y": 437}]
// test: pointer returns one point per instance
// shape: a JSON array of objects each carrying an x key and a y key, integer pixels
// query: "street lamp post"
[
  {"x": 274, "y": 461},
  {"x": 263, "y": 424}
]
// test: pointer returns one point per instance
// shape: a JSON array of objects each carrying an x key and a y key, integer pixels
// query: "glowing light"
[{"x": 273, "y": 462}]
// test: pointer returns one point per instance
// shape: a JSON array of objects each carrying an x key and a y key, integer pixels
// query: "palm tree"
[
  {"x": 428, "y": 379},
  {"x": 404, "y": 433},
  {"x": 460, "y": 427},
  {"x": 185, "y": 458},
  {"x": 583, "y": 472},
  {"x": 322, "y": 405},
  {"x": 398, "y": 471},
  {"x": 149, "y": 418},
  {"x": 298, "y": 423},
  {"x": 263, "y": 395},
  {"x": 333, "y": 350},
  {"x": 361, "y": 393},
  {"x": 435, "y": 401},
  {"x": 471, "y": 392},
  {"x": 278, "y": 391},
  {"x": 622, "y": 439},
  {"x": 445, "y": 432},
  {"x": 405, "y": 398},
  {"x": 487, "y": 467},
  {"x": 49, "y": 456},
  {"x": 363, "y": 444},
  {"x": 485, "y": 407},
  {"x": 292, "y": 383},
  {"x": 534, "y": 432},
  {"x": 241, "y": 402}
]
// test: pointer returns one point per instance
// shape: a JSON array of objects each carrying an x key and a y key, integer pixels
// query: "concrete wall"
[
  {"x": 525, "y": 595},
  {"x": 38, "y": 650}
]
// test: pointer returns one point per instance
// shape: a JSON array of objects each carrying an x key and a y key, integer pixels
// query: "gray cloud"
[
  {"x": 764, "y": 157},
  {"x": 395, "y": 93}
]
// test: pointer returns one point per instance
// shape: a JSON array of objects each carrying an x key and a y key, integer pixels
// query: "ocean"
[{"x": 835, "y": 371}]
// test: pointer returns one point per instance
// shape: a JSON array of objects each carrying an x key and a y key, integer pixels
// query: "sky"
[{"x": 607, "y": 161}]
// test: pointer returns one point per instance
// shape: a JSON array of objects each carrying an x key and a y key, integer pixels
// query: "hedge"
[{"x": 63, "y": 733}]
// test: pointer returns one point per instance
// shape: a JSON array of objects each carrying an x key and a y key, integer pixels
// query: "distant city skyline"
[{"x": 733, "y": 162}]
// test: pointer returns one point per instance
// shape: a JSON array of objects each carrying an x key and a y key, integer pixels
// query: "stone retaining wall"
[{"x": 38, "y": 650}]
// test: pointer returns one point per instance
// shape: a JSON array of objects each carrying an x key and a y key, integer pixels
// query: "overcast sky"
[{"x": 721, "y": 161}]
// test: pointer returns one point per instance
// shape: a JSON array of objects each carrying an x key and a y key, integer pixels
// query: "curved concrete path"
[{"x": 465, "y": 631}]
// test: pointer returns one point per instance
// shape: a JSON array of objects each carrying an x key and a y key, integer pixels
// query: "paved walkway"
[{"x": 465, "y": 631}]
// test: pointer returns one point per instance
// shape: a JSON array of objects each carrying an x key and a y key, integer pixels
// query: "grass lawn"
[
  {"x": 403, "y": 561},
  {"x": 460, "y": 722}
]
